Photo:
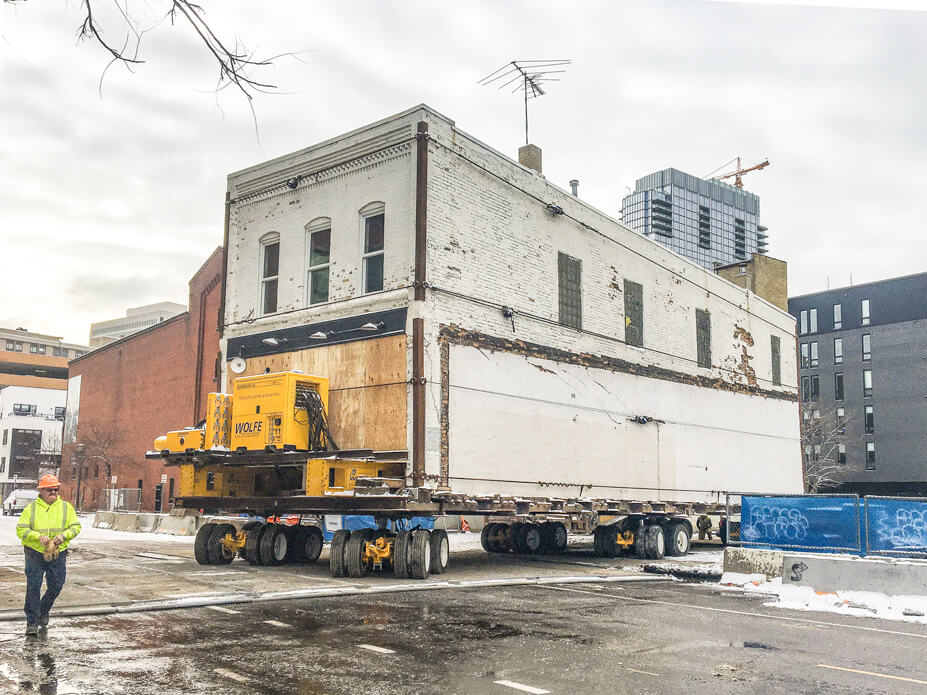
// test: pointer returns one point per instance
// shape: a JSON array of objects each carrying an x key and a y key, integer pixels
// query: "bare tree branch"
[{"x": 821, "y": 436}]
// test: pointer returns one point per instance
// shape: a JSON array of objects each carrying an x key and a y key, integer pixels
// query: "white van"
[{"x": 18, "y": 500}]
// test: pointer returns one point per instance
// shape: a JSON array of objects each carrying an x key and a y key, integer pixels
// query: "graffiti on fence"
[
  {"x": 906, "y": 529},
  {"x": 774, "y": 524}
]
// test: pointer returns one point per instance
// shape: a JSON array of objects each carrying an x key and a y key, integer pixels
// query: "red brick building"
[{"x": 139, "y": 387}]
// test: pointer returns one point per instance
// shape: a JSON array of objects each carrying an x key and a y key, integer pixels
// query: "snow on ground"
[
  {"x": 870, "y": 604},
  {"x": 8, "y": 535}
]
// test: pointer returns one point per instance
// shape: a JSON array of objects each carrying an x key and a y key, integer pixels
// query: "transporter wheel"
[
  {"x": 678, "y": 540},
  {"x": 610, "y": 541},
  {"x": 247, "y": 528},
  {"x": 640, "y": 535},
  {"x": 517, "y": 537},
  {"x": 654, "y": 542},
  {"x": 201, "y": 544},
  {"x": 402, "y": 547},
  {"x": 253, "y": 544},
  {"x": 295, "y": 543},
  {"x": 312, "y": 543},
  {"x": 336, "y": 553},
  {"x": 486, "y": 538},
  {"x": 526, "y": 539},
  {"x": 440, "y": 551},
  {"x": 218, "y": 555},
  {"x": 273, "y": 545},
  {"x": 553, "y": 538},
  {"x": 354, "y": 555},
  {"x": 420, "y": 564}
]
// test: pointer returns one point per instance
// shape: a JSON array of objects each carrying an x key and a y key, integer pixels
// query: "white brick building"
[{"x": 522, "y": 341}]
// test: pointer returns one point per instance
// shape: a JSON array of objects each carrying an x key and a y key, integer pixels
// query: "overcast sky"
[{"x": 112, "y": 185}]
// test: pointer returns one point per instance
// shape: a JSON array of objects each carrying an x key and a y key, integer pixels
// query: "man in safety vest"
[{"x": 45, "y": 528}]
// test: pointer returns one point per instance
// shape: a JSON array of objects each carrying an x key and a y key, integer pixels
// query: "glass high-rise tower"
[{"x": 709, "y": 222}]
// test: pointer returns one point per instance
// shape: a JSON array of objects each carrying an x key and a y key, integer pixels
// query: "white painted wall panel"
[{"x": 515, "y": 423}]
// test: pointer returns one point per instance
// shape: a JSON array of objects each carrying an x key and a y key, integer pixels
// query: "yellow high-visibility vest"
[{"x": 42, "y": 519}]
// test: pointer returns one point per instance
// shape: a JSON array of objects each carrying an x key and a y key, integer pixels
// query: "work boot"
[{"x": 32, "y": 630}]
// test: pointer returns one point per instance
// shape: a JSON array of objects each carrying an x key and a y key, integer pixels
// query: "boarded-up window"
[
  {"x": 703, "y": 337},
  {"x": 633, "y": 313},
  {"x": 776, "y": 362},
  {"x": 570, "y": 273}
]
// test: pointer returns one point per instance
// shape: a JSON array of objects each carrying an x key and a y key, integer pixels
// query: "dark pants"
[{"x": 54, "y": 573}]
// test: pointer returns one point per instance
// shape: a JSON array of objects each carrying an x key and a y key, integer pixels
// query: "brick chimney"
[{"x": 530, "y": 156}]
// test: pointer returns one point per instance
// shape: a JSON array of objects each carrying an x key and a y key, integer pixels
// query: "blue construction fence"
[{"x": 895, "y": 526}]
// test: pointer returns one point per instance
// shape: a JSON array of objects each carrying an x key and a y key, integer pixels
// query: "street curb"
[{"x": 321, "y": 592}]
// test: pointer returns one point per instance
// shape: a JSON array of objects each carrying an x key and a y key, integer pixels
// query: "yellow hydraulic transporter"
[{"x": 266, "y": 450}]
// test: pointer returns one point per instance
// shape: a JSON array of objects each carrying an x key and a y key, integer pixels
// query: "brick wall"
[{"x": 140, "y": 387}]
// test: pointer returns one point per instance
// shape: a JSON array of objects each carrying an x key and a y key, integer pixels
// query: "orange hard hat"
[{"x": 48, "y": 480}]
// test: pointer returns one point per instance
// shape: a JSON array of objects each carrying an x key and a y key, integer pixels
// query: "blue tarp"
[
  {"x": 896, "y": 526},
  {"x": 353, "y": 522},
  {"x": 801, "y": 522}
]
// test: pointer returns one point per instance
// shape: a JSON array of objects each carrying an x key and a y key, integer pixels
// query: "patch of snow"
[{"x": 872, "y": 604}]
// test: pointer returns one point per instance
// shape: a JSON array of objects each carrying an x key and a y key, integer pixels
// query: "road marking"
[
  {"x": 374, "y": 648},
  {"x": 634, "y": 670},
  {"x": 223, "y": 610},
  {"x": 213, "y": 573},
  {"x": 231, "y": 674},
  {"x": 727, "y": 610},
  {"x": 277, "y": 623},
  {"x": 521, "y": 686},
  {"x": 871, "y": 673}
]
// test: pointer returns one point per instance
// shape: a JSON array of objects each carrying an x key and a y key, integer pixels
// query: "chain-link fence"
[{"x": 126, "y": 499}]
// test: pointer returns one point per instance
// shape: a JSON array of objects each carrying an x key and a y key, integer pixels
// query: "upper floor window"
[
  {"x": 841, "y": 418},
  {"x": 14, "y": 345},
  {"x": 270, "y": 271},
  {"x": 864, "y": 312},
  {"x": 869, "y": 419},
  {"x": 775, "y": 346},
  {"x": 373, "y": 217},
  {"x": 59, "y": 413},
  {"x": 319, "y": 244},
  {"x": 808, "y": 321},
  {"x": 803, "y": 322},
  {"x": 23, "y": 409},
  {"x": 570, "y": 290},
  {"x": 805, "y": 361},
  {"x": 59, "y": 351},
  {"x": 867, "y": 347},
  {"x": 810, "y": 388},
  {"x": 633, "y": 313},
  {"x": 703, "y": 338},
  {"x": 6, "y": 436},
  {"x": 814, "y": 353},
  {"x": 838, "y": 350},
  {"x": 841, "y": 453},
  {"x": 36, "y": 349},
  {"x": 838, "y": 316},
  {"x": 867, "y": 383},
  {"x": 870, "y": 456},
  {"x": 838, "y": 386}
]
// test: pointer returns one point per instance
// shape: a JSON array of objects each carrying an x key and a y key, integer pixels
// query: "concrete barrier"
[
  {"x": 892, "y": 576},
  {"x": 125, "y": 521},
  {"x": 753, "y": 561},
  {"x": 147, "y": 523},
  {"x": 177, "y": 525},
  {"x": 104, "y": 519}
]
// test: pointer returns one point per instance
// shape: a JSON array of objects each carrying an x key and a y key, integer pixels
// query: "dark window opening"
[
  {"x": 703, "y": 338},
  {"x": 633, "y": 313},
  {"x": 775, "y": 347},
  {"x": 570, "y": 275}
]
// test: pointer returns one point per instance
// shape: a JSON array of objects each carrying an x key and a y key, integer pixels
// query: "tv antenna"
[{"x": 527, "y": 76}]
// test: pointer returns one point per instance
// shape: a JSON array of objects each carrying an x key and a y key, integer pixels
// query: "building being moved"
[
  {"x": 135, "y": 320},
  {"x": 707, "y": 221},
  {"x": 863, "y": 363},
  {"x": 506, "y": 334}
]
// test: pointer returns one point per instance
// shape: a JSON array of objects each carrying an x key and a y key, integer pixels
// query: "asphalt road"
[{"x": 665, "y": 637}]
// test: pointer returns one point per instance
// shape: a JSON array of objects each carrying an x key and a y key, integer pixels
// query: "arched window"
[
  {"x": 270, "y": 270},
  {"x": 318, "y": 259},
  {"x": 372, "y": 223}
]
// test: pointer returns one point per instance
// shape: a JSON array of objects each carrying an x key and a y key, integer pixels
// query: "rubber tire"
[
  {"x": 654, "y": 542},
  {"x": 639, "y": 548},
  {"x": 420, "y": 564},
  {"x": 295, "y": 544},
  {"x": 253, "y": 544},
  {"x": 217, "y": 554},
  {"x": 531, "y": 539},
  {"x": 553, "y": 538},
  {"x": 440, "y": 551},
  {"x": 313, "y": 542},
  {"x": 201, "y": 544},
  {"x": 402, "y": 547},
  {"x": 518, "y": 537},
  {"x": 488, "y": 545},
  {"x": 354, "y": 555},
  {"x": 678, "y": 540},
  {"x": 336, "y": 564},
  {"x": 246, "y": 528},
  {"x": 270, "y": 545}
]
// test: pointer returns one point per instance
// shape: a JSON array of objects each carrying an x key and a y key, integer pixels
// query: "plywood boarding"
[{"x": 367, "y": 388}]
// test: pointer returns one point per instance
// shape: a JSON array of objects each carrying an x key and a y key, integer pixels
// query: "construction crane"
[{"x": 739, "y": 172}]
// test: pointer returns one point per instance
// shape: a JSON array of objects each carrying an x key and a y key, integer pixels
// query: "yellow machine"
[
  {"x": 180, "y": 441},
  {"x": 218, "y": 420},
  {"x": 339, "y": 475},
  {"x": 273, "y": 410}
]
